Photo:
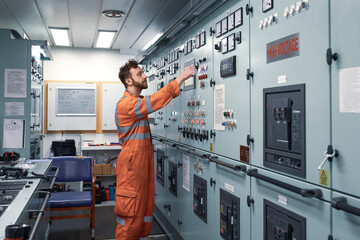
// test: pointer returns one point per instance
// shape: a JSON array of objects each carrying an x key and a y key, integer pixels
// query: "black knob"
[
  {"x": 206, "y": 135},
  {"x": 217, "y": 47},
  {"x": 249, "y": 74},
  {"x": 212, "y": 134},
  {"x": 165, "y": 125},
  {"x": 248, "y": 9},
  {"x": 201, "y": 137},
  {"x": 212, "y": 181},
  {"x": 188, "y": 134},
  {"x": 330, "y": 56},
  {"x": 196, "y": 136},
  {"x": 179, "y": 164},
  {"x": 180, "y": 128},
  {"x": 249, "y": 140},
  {"x": 212, "y": 31},
  {"x": 249, "y": 200},
  {"x": 192, "y": 135},
  {"x": 212, "y": 82}
]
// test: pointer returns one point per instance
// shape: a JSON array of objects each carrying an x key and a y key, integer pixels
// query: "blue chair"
[{"x": 74, "y": 169}]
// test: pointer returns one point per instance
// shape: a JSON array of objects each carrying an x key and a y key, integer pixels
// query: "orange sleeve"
[{"x": 141, "y": 107}]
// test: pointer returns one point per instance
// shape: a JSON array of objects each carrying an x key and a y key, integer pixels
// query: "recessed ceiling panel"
[
  {"x": 84, "y": 15},
  {"x": 7, "y": 21},
  {"x": 161, "y": 21},
  {"x": 142, "y": 13},
  {"x": 28, "y": 17},
  {"x": 54, "y": 12}
]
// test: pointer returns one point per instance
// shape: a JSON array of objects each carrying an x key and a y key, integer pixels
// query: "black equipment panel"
[
  {"x": 172, "y": 178},
  {"x": 284, "y": 129},
  {"x": 228, "y": 66},
  {"x": 160, "y": 157},
  {"x": 229, "y": 216},
  {"x": 282, "y": 224},
  {"x": 200, "y": 197}
]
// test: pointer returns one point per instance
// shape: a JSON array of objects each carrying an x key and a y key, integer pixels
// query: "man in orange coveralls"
[{"x": 135, "y": 171}]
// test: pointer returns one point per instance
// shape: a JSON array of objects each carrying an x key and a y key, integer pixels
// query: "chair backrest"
[{"x": 73, "y": 169}]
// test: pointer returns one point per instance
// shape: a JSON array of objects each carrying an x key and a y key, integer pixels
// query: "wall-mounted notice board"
[
  {"x": 71, "y": 106},
  {"x": 111, "y": 93}
]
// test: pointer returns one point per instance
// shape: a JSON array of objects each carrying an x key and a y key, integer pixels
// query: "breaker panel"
[
  {"x": 200, "y": 197},
  {"x": 172, "y": 176},
  {"x": 160, "y": 159},
  {"x": 229, "y": 216},
  {"x": 282, "y": 224},
  {"x": 284, "y": 129}
]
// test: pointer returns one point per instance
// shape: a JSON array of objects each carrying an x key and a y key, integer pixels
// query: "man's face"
[{"x": 139, "y": 78}]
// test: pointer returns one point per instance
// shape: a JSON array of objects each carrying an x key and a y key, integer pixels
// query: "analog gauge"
[
  {"x": 238, "y": 17},
  {"x": 231, "y": 21},
  {"x": 218, "y": 29},
  {"x": 224, "y": 25},
  {"x": 267, "y": 5}
]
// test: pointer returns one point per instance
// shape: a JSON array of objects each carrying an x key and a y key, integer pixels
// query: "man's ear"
[{"x": 129, "y": 81}]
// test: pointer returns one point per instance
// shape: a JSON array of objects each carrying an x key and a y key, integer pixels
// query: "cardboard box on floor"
[{"x": 102, "y": 169}]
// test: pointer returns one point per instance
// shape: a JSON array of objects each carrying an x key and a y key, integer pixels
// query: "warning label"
[
  {"x": 283, "y": 48},
  {"x": 324, "y": 177}
]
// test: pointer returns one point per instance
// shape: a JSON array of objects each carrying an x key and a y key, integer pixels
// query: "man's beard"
[{"x": 142, "y": 85}]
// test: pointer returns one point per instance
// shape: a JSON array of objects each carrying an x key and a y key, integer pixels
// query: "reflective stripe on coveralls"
[{"x": 135, "y": 173}]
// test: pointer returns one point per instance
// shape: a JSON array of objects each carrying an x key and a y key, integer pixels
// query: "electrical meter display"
[
  {"x": 224, "y": 25},
  {"x": 238, "y": 17},
  {"x": 231, "y": 21},
  {"x": 267, "y": 5},
  {"x": 218, "y": 29}
]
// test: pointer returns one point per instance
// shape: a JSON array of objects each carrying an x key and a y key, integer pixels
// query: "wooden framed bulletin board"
[{"x": 80, "y": 106}]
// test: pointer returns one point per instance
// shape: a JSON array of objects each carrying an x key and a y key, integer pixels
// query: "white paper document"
[
  {"x": 14, "y": 109},
  {"x": 349, "y": 90},
  {"x": 15, "y": 83},
  {"x": 219, "y": 106},
  {"x": 14, "y": 133},
  {"x": 186, "y": 172}
]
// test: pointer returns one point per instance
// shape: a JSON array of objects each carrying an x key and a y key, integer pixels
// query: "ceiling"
[{"x": 143, "y": 20}]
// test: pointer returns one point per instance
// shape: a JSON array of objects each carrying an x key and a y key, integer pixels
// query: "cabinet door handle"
[
  {"x": 308, "y": 193},
  {"x": 340, "y": 203}
]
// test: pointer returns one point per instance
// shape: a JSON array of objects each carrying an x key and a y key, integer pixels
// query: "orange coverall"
[{"x": 135, "y": 173}]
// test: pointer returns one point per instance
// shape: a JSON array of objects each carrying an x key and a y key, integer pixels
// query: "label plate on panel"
[{"x": 283, "y": 48}]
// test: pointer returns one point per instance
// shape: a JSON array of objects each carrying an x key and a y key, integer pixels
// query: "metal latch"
[{"x": 329, "y": 154}]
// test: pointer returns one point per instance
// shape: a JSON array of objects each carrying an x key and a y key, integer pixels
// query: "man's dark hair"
[{"x": 125, "y": 70}]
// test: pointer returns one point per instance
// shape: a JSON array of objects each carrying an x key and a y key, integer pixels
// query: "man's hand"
[{"x": 189, "y": 71}]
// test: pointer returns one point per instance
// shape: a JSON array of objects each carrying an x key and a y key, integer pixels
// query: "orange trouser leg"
[
  {"x": 132, "y": 193},
  {"x": 150, "y": 199}
]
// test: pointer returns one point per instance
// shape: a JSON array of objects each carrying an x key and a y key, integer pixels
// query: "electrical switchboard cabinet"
[
  {"x": 21, "y": 97},
  {"x": 345, "y": 95},
  {"x": 197, "y": 93},
  {"x": 284, "y": 129},
  {"x": 236, "y": 187},
  {"x": 200, "y": 198},
  {"x": 229, "y": 216},
  {"x": 172, "y": 177},
  {"x": 280, "y": 205},
  {"x": 346, "y": 217},
  {"x": 280, "y": 223},
  {"x": 160, "y": 173},
  {"x": 231, "y": 112},
  {"x": 173, "y": 109},
  {"x": 160, "y": 165},
  {"x": 286, "y": 51},
  {"x": 158, "y": 66}
]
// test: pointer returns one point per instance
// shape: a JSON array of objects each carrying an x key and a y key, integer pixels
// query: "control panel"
[
  {"x": 229, "y": 215},
  {"x": 200, "y": 197},
  {"x": 160, "y": 161},
  {"x": 282, "y": 224},
  {"x": 284, "y": 129},
  {"x": 172, "y": 177}
]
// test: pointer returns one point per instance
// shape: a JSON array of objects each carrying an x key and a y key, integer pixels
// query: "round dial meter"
[{"x": 267, "y": 5}]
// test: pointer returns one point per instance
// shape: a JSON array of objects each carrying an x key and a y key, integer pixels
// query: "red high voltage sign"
[{"x": 283, "y": 48}]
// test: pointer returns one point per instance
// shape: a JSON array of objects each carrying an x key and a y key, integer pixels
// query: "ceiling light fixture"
[
  {"x": 113, "y": 13},
  {"x": 152, "y": 41},
  {"x": 60, "y": 36},
  {"x": 105, "y": 38}
]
